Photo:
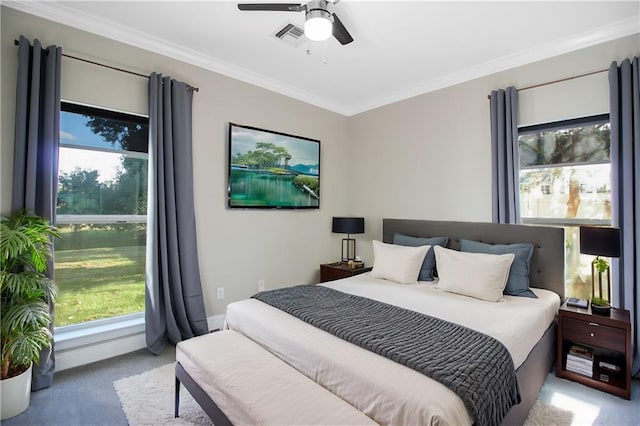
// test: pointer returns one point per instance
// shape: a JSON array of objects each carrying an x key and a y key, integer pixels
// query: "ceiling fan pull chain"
[{"x": 325, "y": 60}]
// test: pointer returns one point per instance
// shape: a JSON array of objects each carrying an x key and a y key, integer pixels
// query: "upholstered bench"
[{"x": 237, "y": 381}]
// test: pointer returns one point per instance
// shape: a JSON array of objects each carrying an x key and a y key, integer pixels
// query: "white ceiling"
[{"x": 401, "y": 48}]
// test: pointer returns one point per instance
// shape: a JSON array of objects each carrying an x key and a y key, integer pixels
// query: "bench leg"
[{"x": 177, "y": 406}]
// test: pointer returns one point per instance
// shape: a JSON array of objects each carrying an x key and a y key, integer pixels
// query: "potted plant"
[
  {"x": 25, "y": 248},
  {"x": 600, "y": 306}
]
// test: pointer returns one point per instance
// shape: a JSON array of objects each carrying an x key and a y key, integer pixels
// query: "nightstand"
[
  {"x": 606, "y": 338},
  {"x": 336, "y": 271}
]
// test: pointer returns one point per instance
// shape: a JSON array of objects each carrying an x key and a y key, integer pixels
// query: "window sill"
[
  {"x": 99, "y": 331},
  {"x": 81, "y": 344}
]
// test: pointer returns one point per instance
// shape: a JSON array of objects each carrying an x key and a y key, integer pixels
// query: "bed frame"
[{"x": 546, "y": 271}]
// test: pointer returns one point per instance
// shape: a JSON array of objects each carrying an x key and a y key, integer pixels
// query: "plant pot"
[
  {"x": 15, "y": 394},
  {"x": 600, "y": 310}
]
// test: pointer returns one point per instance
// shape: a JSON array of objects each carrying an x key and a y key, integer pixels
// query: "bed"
[{"x": 391, "y": 393}]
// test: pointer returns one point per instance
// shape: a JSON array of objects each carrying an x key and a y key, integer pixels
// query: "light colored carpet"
[
  {"x": 543, "y": 414},
  {"x": 148, "y": 399}
]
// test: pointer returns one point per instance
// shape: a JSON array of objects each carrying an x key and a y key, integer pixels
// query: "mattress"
[{"x": 388, "y": 392}]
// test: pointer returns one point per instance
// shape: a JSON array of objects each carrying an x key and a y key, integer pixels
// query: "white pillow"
[
  {"x": 397, "y": 263},
  {"x": 478, "y": 275}
]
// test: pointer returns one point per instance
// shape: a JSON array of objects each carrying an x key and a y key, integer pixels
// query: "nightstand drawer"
[{"x": 592, "y": 333}]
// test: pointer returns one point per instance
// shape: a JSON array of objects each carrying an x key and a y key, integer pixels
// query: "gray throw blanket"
[{"x": 475, "y": 366}]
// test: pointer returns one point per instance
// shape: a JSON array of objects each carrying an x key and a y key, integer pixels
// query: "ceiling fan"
[{"x": 319, "y": 23}]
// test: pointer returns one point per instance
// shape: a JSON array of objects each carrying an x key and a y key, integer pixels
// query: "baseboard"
[
  {"x": 89, "y": 349},
  {"x": 215, "y": 322}
]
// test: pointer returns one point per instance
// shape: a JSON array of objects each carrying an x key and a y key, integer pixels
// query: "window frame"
[
  {"x": 560, "y": 125},
  {"x": 564, "y": 124},
  {"x": 103, "y": 329}
]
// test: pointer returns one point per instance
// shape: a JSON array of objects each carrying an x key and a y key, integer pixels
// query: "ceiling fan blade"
[
  {"x": 340, "y": 32},
  {"x": 275, "y": 7}
]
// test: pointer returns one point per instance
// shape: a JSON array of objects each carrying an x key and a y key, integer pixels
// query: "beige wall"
[
  {"x": 429, "y": 157},
  {"x": 426, "y": 157},
  {"x": 236, "y": 248}
]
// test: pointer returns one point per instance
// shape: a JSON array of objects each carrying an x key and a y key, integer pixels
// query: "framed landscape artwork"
[{"x": 272, "y": 170}]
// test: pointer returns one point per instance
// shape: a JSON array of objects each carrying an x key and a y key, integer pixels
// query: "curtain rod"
[
  {"x": 189, "y": 87},
  {"x": 559, "y": 81}
]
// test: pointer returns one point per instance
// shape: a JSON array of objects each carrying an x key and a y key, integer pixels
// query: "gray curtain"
[
  {"x": 35, "y": 155},
  {"x": 504, "y": 156},
  {"x": 174, "y": 308},
  {"x": 624, "y": 92}
]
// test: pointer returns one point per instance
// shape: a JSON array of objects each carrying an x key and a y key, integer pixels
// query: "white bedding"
[
  {"x": 518, "y": 322},
  {"x": 388, "y": 392}
]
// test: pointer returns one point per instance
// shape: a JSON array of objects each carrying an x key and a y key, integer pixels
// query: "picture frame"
[{"x": 272, "y": 170}]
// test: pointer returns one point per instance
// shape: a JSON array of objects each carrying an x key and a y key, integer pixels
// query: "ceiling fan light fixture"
[{"x": 318, "y": 26}]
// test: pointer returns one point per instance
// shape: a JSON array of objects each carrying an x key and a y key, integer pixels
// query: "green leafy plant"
[
  {"x": 25, "y": 248},
  {"x": 598, "y": 301},
  {"x": 600, "y": 264}
]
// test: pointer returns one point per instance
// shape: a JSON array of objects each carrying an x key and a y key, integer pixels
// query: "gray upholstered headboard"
[{"x": 547, "y": 262}]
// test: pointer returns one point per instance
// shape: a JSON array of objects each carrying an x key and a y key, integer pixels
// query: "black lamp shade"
[
  {"x": 600, "y": 241},
  {"x": 348, "y": 225}
]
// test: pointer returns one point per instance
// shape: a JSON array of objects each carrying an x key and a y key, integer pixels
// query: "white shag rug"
[
  {"x": 148, "y": 399},
  {"x": 543, "y": 414}
]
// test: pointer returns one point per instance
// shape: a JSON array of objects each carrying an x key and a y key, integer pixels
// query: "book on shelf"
[
  {"x": 609, "y": 366},
  {"x": 579, "y": 368},
  {"x": 581, "y": 372},
  {"x": 580, "y": 360},
  {"x": 580, "y": 364},
  {"x": 581, "y": 352}
]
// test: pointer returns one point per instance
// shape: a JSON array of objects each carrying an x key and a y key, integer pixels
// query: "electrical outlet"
[
  {"x": 260, "y": 285},
  {"x": 220, "y": 293}
]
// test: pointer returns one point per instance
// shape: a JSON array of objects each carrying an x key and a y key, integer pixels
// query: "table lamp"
[
  {"x": 600, "y": 241},
  {"x": 348, "y": 225}
]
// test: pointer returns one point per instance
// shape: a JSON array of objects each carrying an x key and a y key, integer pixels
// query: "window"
[
  {"x": 565, "y": 180},
  {"x": 101, "y": 214}
]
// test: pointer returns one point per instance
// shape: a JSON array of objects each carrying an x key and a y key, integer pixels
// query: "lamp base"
[{"x": 348, "y": 249}]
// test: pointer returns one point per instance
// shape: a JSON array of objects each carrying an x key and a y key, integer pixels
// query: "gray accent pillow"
[
  {"x": 518, "y": 281},
  {"x": 428, "y": 265}
]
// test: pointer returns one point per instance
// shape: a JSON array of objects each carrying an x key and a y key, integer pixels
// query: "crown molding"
[{"x": 65, "y": 15}]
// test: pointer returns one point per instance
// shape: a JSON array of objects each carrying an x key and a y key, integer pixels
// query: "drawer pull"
[
  {"x": 595, "y": 324},
  {"x": 592, "y": 335}
]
